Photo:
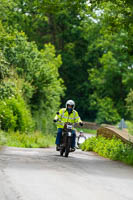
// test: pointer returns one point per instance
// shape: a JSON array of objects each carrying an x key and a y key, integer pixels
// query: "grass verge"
[
  {"x": 34, "y": 140},
  {"x": 113, "y": 149}
]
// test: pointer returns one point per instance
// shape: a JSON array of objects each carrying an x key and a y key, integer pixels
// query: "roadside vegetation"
[
  {"x": 30, "y": 90},
  {"x": 113, "y": 149},
  {"x": 42, "y": 66},
  {"x": 130, "y": 127},
  {"x": 17, "y": 139}
]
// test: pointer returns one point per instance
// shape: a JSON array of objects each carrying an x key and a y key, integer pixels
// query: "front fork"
[{"x": 66, "y": 139}]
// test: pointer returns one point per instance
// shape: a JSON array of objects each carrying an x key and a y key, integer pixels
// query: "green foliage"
[
  {"x": 34, "y": 140},
  {"x": 34, "y": 75},
  {"x": 42, "y": 21},
  {"x": 2, "y": 139},
  {"x": 130, "y": 127},
  {"x": 95, "y": 42},
  {"x": 7, "y": 119},
  {"x": 117, "y": 13},
  {"x": 129, "y": 101},
  {"x": 114, "y": 148},
  {"x": 7, "y": 89},
  {"x": 57, "y": 22},
  {"x": 4, "y": 67},
  {"x": 14, "y": 115},
  {"x": 114, "y": 70},
  {"x": 27, "y": 91},
  {"x": 106, "y": 112}
]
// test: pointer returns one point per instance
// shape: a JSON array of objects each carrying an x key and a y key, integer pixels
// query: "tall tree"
[{"x": 94, "y": 40}]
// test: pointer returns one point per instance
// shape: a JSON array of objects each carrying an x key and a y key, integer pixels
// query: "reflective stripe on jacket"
[{"x": 64, "y": 117}]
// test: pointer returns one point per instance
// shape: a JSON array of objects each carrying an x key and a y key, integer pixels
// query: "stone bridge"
[{"x": 110, "y": 131}]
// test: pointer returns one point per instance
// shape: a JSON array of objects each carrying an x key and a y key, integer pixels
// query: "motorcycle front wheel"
[
  {"x": 67, "y": 150},
  {"x": 62, "y": 151}
]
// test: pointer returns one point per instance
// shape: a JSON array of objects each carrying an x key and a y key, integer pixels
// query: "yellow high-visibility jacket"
[{"x": 64, "y": 117}]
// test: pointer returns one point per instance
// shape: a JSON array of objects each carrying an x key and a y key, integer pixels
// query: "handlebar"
[{"x": 68, "y": 123}]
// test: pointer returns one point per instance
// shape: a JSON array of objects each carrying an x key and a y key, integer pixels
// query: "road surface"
[{"x": 41, "y": 174}]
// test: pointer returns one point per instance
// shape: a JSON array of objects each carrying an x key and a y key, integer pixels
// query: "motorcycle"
[
  {"x": 80, "y": 139},
  {"x": 66, "y": 140}
]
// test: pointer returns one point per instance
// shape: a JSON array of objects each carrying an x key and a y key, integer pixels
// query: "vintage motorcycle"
[
  {"x": 66, "y": 140},
  {"x": 80, "y": 139}
]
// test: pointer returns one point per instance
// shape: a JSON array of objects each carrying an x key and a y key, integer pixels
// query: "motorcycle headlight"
[{"x": 69, "y": 134}]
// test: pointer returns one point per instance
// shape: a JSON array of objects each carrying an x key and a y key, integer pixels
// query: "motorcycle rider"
[{"x": 64, "y": 115}]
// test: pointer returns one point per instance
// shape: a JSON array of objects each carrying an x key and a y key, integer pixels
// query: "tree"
[
  {"x": 94, "y": 41},
  {"x": 129, "y": 103},
  {"x": 36, "y": 74}
]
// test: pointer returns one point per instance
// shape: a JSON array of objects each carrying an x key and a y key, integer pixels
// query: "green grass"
[
  {"x": 34, "y": 140},
  {"x": 113, "y": 149},
  {"x": 87, "y": 130}
]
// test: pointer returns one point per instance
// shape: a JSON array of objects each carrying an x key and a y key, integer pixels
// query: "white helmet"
[{"x": 71, "y": 103}]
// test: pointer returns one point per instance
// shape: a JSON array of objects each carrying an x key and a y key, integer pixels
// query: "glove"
[
  {"x": 81, "y": 123},
  {"x": 55, "y": 120}
]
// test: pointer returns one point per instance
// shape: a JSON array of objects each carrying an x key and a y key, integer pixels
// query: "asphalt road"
[{"x": 41, "y": 174}]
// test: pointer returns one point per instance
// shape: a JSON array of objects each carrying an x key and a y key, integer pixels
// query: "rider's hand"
[
  {"x": 55, "y": 120},
  {"x": 81, "y": 123}
]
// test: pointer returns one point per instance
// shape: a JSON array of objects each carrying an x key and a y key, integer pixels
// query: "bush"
[
  {"x": 4, "y": 66},
  {"x": 114, "y": 148},
  {"x": 130, "y": 127},
  {"x": 14, "y": 115},
  {"x": 42, "y": 87},
  {"x": 7, "y": 90},
  {"x": 32, "y": 140}
]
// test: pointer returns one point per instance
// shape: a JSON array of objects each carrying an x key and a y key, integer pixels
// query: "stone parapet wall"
[
  {"x": 110, "y": 131},
  {"x": 89, "y": 125}
]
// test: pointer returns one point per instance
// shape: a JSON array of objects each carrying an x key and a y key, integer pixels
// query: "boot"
[
  {"x": 73, "y": 149},
  {"x": 57, "y": 147}
]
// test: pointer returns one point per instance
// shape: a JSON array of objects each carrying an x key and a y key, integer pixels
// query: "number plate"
[{"x": 69, "y": 126}]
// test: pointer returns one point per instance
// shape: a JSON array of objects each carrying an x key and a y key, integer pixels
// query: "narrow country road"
[{"x": 41, "y": 174}]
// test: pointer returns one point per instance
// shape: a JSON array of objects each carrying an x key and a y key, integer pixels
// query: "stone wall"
[
  {"x": 89, "y": 125},
  {"x": 110, "y": 131}
]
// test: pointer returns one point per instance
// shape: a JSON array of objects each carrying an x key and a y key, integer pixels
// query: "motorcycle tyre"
[
  {"x": 67, "y": 150},
  {"x": 62, "y": 151}
]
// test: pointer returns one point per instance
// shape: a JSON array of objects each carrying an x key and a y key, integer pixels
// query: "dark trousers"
[{"x": 59, "y": 134}]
